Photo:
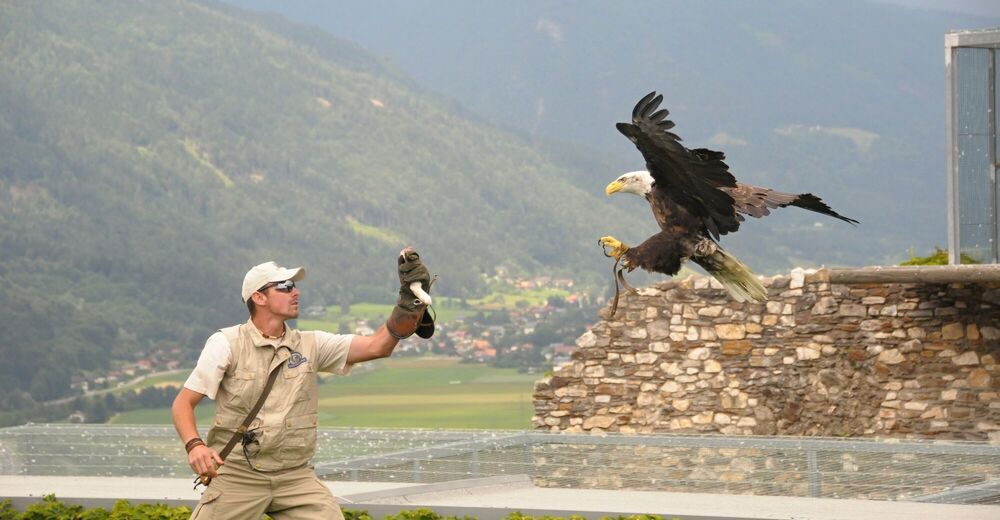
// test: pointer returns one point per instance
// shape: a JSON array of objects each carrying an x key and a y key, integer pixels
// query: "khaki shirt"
[{"x": 285, "y": 427}]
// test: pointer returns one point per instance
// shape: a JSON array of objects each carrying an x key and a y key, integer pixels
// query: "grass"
[
  {"x": 447, "y": 309},
  {"x": 408, "y": 393},
  {"x": 374, "y": 313},
  {"x": 511, "y": 299}
]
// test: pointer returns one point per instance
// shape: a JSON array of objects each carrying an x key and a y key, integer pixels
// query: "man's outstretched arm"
[
  {"x": 366, "y": 348},
  {"x": 202, "y": 459}
]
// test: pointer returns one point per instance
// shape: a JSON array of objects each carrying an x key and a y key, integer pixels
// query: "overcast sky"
[{"x": 977, "y": 7}]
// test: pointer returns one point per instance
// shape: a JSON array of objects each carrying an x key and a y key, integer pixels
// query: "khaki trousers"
[{"x": 240, "y": 493}]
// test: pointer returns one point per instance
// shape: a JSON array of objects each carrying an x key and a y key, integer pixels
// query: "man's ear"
[{"x": 258, "y": 298}]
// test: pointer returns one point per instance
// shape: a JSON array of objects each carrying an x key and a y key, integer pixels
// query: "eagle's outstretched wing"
[
  {"x": 696, "y": 184},
  {"x": 757, "y": 201}
]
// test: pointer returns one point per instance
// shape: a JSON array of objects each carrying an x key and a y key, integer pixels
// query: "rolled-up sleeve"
[
  {"x": 212, "y": 365},
  {"x": 332, "y": 350}
]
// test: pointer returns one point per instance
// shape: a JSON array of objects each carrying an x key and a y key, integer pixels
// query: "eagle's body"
[{"x": 695, "y": 200}]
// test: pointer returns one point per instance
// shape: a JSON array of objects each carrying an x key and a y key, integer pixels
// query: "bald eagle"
[{"x": 695, "y": 200}]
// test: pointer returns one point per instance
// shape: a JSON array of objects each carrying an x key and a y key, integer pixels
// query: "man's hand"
[
  {"x": 414, "y": 281},
  {"x": 409, "y": 316},
  {"x": 205, "y": 461}
]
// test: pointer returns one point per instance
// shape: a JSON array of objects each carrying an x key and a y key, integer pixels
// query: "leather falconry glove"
[{"x": 410, "y": 313}]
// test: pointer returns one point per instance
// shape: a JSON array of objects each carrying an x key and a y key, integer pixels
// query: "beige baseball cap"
[{"x": 262, "y": 274}]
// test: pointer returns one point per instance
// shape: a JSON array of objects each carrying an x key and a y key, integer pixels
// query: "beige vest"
[{"x": 286, "y": 424}]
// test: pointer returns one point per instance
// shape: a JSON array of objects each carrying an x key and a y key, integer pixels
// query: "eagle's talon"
[{"x": 617, "y": 249}]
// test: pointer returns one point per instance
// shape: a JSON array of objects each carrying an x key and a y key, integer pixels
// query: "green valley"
[{"x": 407, "y": 393}]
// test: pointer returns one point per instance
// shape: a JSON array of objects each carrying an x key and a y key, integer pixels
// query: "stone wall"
[{"x": 819, "y": 358}]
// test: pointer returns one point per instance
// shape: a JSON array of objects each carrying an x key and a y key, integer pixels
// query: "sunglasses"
[{"x": 285, "y": 287}]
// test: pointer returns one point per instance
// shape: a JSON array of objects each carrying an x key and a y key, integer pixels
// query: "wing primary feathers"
[
  {"x": 659, "y": 115},
  {"x": 814, "y": 203},
  {"x": 649, "y": 108},
  {"x": 642, "y": 103}
]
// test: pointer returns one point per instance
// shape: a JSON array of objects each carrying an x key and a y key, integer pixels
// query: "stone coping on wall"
[{"x": 917, "y": 274}]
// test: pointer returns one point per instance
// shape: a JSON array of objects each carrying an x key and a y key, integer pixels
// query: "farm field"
[
  {"x": 447, "y": 309},
  {"x": 424, "y": 392}
]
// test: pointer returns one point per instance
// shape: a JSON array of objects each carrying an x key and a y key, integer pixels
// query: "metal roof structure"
[{"x": 971, "y": 65}]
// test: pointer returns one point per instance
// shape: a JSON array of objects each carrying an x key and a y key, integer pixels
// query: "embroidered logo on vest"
[{"x": 296, "y": 360}]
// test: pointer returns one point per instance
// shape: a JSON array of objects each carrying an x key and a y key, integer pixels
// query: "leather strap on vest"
[{"x": 249, "y": 419}]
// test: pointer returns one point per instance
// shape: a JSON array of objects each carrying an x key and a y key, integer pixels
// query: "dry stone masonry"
[{"x": 819, "y": 358}]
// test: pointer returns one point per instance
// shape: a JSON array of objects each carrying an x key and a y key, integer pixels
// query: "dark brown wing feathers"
[
  {"x": 757, "y": 202},
  {"x": 693, "y": 183},
  {"x": 697, "y": 182}
]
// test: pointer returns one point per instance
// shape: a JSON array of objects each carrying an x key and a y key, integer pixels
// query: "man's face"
[{"x": 281, "y": 299}]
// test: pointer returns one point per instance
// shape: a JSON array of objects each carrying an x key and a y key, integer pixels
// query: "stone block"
[
  {"x": 953, "y": 331},
  {"x": 703, "y": 417},
  {"x": 852, "y": 309},
  {"x": 670, "y": 387},
  {"x": 646, "y": 358},
  {"x": 659, "y": 346},
  {"x": 730, "y": 331},
  {"x": 972, "y": 332},
  {"x": 805, "y": 353},
  {"x": 965, "y": 359},
  {"x": 711, "y": 312},
  {"x": 825, "y": 305},
  {"x": 607, "y": 389},
  {"x": 700, "y": 353},
  {"x": 599, "y": 421},
  {"x": 658, "y": 330},
  {"x": 636, "y": 333},
  {"x": 979, "y": 378},
  {"x": 736, "y": 347},
  {"x": 691, "y": 334},
  {"x": 587, "y": 339},
  {"x": 891, "y": 357},
  {"x": 681, "y": 423}
]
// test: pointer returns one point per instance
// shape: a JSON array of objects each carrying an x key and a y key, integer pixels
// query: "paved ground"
[{"x": 497, "y": 496}]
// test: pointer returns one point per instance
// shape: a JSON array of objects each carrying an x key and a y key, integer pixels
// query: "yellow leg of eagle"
[{"x": 617, "y": 249}]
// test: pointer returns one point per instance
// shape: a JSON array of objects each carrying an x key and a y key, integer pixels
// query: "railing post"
[{"x": 815, "y": 478}]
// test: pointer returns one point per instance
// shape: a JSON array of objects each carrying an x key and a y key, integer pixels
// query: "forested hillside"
[{"x": 153, "y": 151}]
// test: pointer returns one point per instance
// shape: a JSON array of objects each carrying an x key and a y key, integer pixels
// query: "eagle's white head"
[{"x": 639, "y": 183}]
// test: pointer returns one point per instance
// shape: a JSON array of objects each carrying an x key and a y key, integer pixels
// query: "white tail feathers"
[{"x": 742, "y": 284}]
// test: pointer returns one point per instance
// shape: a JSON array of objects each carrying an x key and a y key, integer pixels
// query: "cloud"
[
  {"x": 724, "y": 139},
  {"x": 550, "y": 29},
  {"x": 863, "y": 139}
]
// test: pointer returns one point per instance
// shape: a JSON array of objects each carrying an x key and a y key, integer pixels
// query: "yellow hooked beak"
[{"x": 614, "y": 187}]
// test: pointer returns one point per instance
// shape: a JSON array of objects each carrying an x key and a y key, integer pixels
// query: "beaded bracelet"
[{"x": 193, "y": 443}]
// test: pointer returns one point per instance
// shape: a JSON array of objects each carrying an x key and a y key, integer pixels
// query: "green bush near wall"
[{"x": 50, "y": 508}]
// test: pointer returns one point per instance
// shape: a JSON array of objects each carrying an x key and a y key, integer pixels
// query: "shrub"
[{"x": 52, "y": 509}]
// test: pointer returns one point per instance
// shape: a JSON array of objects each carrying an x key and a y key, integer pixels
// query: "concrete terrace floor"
[{"x": 493, "y": 498}]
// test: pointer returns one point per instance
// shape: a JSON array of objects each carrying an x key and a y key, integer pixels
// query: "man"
[{"x": 268, "y": 469}]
